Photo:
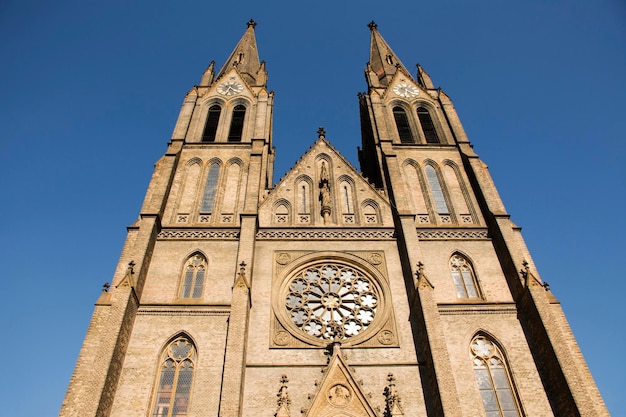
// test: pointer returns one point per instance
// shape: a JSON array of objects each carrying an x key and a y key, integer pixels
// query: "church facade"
[{"x": 403, "y": 289}]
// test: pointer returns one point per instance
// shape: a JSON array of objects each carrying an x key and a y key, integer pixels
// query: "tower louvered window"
[
  {"x": 463, "y": 277},
  {"x": 428, "y": 127},
  {"x": 437, "y": 191},
  {"x": 208, "y": 197},
  {"x": 175, "y": 377},
  {"x": 236, "y": 125},
  {"x": 493, "y": 378},
  {"x": 402, "y": 123},
  {"x": 212, "y": 120},
  {"x": 194, "y": 273}
]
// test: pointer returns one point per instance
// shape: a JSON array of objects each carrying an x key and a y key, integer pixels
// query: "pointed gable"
[
  {"x": 324, "y": 190},
  {"x": 339, "y": 394}
]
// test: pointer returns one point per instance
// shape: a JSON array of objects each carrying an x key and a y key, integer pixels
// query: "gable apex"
[
  {"x": 324, "y": 189},
  {"x": 339, "y": 393}
]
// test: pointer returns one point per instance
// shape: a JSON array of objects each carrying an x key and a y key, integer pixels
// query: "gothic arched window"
[
  {"x": 236, "y": 124},
  {"x": 194, "y": 273},
  {"x": 208, "y": 197},
  {"x": 437, "y": 191},
  {"x": 493, "y": 378},
  {"x": 210, "y": 128},
  {"x": 402, "y": 123},
  {"x": 463, "y": 277},
  {"x": 428, "y": 127},
  {"x": 175, "y": 377}
]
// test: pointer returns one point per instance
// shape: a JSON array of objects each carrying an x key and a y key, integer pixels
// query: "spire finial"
[
  {"x": 283, "y": 398},
  {"x": 252, "y": 23},
  {"x": 392, "y": 399},
  {"x": 321, "y": 133},
  {"x": 372, "y": 25}
]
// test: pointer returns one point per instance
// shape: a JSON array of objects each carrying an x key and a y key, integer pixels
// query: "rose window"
[{"x": 332, "y": 301}]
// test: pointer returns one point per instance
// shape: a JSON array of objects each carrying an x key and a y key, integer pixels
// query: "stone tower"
[{"x": 401, "y": 290}]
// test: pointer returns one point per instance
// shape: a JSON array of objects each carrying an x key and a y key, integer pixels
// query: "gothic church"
[{"x": 400, "y": 290}]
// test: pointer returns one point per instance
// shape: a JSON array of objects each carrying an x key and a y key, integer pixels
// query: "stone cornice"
[
  {"x": 325, "y": 234},
  {"x": 447, "y": 234}
]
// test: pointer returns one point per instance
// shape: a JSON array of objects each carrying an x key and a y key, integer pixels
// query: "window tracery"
[
  {"x": 332, "y": 301},
  {"x": 493, "y": 378},
  {"x": 175, "y": 377},
  {"x": 463, "y": 277},
  {"x": 194, "y": 273}
]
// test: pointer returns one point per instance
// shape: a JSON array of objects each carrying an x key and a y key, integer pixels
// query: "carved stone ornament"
[
  {"x": 375, "y": 258},
  {"x": 281, "y": 338},
  {"x": 386, "y": 337},
  {"x": 283, "y": 258},
  {"x": 339, "y": 395}
]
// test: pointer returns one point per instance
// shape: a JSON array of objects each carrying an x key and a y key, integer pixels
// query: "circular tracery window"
[{"x": 332, "y": 301}]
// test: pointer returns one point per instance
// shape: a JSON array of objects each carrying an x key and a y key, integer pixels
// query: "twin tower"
[{"x": 400, "y": 290}]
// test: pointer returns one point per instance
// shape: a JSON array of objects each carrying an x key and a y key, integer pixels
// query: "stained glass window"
[
  {"x": 463, "y": 277},
  {"x": 492, "y": 376},
  {"x": 435, "y": 188},
  {"x": 174, "y": 382},
  {"x": 193, "y": 277}
]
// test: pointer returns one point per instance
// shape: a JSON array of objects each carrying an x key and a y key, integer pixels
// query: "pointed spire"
[
  {"x": 423, "y": 78},
  {"x": 383, "y": 61},
  {"x": 245, "y": 57},
  {"x": 208, "y": 75}
]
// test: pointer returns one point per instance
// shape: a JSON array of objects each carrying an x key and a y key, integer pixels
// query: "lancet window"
[
  {"x": 463, "y": 277},
  {"x": 402, "y": 123},
  {"x": 175, "y": 378},
  {"x": 428, "y": 127},
  {"x": 212, "y": 120},
  {"x": 437, "y": 191},
  {"x": 493, "y": 377},
  {"x": 210, "y": 189},
  {"x": 236, "y": 124},
  {"x": 194, "y": 273}
]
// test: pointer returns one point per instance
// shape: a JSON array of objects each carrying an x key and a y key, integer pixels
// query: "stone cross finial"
[
  {"x": 321, "y": 133},
  {"x": 392, "y": 399},
  {"x": 420, "y": 270},
  {"x": 252, "y": 23},
  {"x": 524, "y": 271},
  {"x": 283, "y": 398},
  {"x": 372, "y": 25}
]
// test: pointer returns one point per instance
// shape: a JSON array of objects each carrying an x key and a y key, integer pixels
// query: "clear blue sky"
[{"x": 90, "y": 92}]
